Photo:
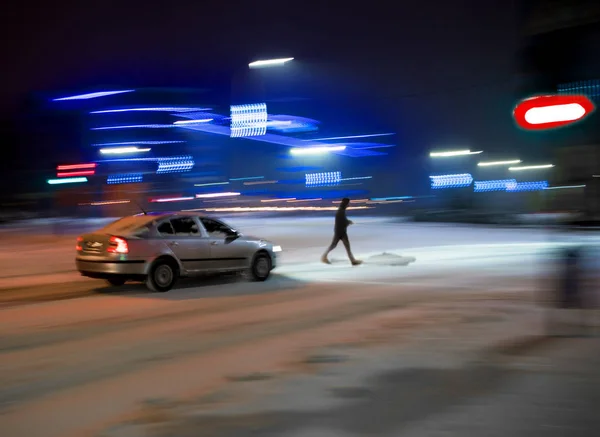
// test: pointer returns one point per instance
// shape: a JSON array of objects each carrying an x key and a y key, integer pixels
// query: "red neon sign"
[
  {"x": 553, "y": 111},
  {"x": 75, "y": 173},
  {"x": 76, "y": 166}
]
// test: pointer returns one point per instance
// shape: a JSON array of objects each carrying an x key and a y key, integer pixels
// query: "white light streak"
[
  {"x": 184, "y": 122},
  {"x": 319, "y": 150},
  {"x": 495, "y": 163},
  {"x": 122, "y": 150},
  {"x": 531, "y": 167},
  {"x": 453, "y": 153},
  {"x": 269, "y": 62},
  {"x": 212, "y": 195}
]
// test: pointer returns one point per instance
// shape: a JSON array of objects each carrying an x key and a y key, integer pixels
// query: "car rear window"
[{"x": 129, "y": 225}]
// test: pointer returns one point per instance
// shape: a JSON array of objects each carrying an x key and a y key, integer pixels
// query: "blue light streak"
[
  {"x": 157, "y": 109},
  {"x": 383, "y": 199},
  {"x": 137, "y": 126},
  {"x": 251, "y": 178},
  {"x": 211, "y": 184},
  {"x": 93, "y": 95},
  {"x": 357, "y": 178},
  {"x": 124, "y": 179},
  {"x": 141, "y": 143},
  {"x": 493, "y": 185},
  {"x": 352, "y": 136},
  {"x": 291, "y": 123},
  {"x": 451, "y": 181},
  {"x": 280, "y": 140},
  {"x": 170, "y": 164},
  {"x": 178, "y": 165},
  {"x": 528, "y": 186}
]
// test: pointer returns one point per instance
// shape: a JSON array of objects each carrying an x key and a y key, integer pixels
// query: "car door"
[
  {"x": 184, "y": 236},
  {"x": 226, "y": 251}
]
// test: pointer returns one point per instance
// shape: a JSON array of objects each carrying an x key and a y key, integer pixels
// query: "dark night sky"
[{"x": 412, "y": 46}]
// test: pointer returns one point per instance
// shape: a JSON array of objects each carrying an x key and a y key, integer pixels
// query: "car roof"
[{"x": 164, "y": 214}]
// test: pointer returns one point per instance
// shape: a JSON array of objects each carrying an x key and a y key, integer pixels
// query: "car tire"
[
  {"x": 260, "y": 269},
  {"x": 162, "y": 276},
  {"x": 116, "y": 282}
]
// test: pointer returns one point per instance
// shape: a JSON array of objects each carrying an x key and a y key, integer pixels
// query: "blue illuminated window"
[
  {"x": 323, "y": 179},
  {"x": 248, "y": 120},
  {"x": 124, "y": 178},
  {"x": 451, "y": 181}
]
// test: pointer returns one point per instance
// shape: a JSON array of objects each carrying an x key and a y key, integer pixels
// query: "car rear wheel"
[
  {"x": 260, "y": 270},
  {"x": 163, "y": 276},
  {"x": 116, "y": 282}
]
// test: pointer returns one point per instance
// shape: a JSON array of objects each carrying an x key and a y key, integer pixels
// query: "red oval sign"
[{"x": 550, "y": 112}]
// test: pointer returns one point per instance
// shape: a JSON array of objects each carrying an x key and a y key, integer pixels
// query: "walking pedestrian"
[{"x": 340, "y": 233}]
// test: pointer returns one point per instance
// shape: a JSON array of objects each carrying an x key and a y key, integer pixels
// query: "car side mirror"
[{"x": 232, "y": 235}]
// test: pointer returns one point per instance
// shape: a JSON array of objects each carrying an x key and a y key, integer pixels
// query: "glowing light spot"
[
  {"x": 317, "y": 150},
  {"x": 553, "y": 114}
]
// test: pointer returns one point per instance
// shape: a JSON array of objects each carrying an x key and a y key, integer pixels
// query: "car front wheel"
[
  {"x": 162, "y": 276},
  {"x": 260, "y": 269}
]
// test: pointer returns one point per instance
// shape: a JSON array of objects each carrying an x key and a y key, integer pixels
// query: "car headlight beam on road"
[{"x": 277, "y": 249}]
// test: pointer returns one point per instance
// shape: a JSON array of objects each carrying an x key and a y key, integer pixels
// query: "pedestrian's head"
[{"x": 345, "y": 202}]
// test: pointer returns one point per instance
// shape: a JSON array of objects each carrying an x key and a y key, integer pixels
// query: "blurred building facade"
[
  {"x": 559, "y": 42},
  {"x": 185, "y": 148}
]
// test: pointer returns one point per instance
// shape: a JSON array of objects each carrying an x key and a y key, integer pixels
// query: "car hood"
[{"x": 254, "y": 238}]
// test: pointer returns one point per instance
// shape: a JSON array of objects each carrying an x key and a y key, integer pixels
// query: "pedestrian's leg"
[
  {"x": 332, "y": 246},
  {"x": 346, "y": 242}
]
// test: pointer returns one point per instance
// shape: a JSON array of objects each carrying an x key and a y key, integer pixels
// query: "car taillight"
[
  {"x": 78, "y": 245},
  {"x": 118, "y": 245}
]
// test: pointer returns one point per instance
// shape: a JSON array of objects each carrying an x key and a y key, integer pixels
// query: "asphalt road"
[{"x": 125, "y": 362}]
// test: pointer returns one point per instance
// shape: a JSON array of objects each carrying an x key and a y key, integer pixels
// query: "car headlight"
[{"x": 277, "y": 249}]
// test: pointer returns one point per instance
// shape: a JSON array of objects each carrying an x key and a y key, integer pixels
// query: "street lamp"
[{"x": 269, "y": 62}]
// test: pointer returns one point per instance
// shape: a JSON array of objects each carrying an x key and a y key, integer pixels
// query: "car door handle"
[
  {"x": 174, "y": 243},
  {"x": 214, "y": 243}
]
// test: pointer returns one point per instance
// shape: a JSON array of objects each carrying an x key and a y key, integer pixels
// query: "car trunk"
[{"x": 94, "y": 243}]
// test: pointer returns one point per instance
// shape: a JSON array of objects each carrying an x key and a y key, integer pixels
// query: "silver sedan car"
[{"x": 158, "y": 248}]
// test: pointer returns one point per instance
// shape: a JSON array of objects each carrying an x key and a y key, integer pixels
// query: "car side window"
[
  {"x": 185, "y": 226},
  {"x": 165, "y": 228},
  {"x": 216, "y": 229}
]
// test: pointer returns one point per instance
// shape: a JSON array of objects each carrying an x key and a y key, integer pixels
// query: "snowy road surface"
[{"x": 127, "y": 362}]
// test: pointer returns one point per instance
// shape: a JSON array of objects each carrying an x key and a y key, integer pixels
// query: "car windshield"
[{"x": 129, "y": 225}]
